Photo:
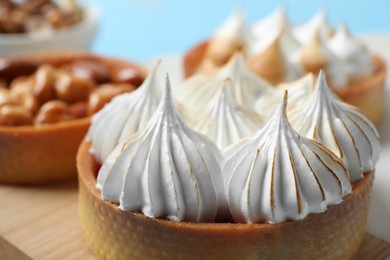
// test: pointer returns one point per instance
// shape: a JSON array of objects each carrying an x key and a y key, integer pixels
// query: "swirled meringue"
[
  {"x": 273, "y": 22},
  {"x": 319, "y": 22},
  {"x": 355, "y": 56},
  {"x": 233, "y": 36},
  {"x": 165, "y": 170},
  {"x": 277, "y": 175},
  {"x": 197, "y": 91},
  {"x": 224, "y": 121},
  {"x": 276, "y": 57},
  {"x": 316, "y": 56},
  {"x": 299, "y": 92},
  {"x": 123, "y": 116},
  {"x": 339, "y": 127}
]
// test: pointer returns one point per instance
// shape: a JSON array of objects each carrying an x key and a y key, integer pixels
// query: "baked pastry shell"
[
  {"x": 112, "y": 233},
  {"x": 32, "y": 155},
  {"x": 368, "y": 93}
]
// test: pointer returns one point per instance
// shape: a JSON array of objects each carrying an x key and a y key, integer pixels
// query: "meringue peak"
[
  {"x": 151, "y": 79},
  {"x": 319, "y": 22},
  {"x": 339, "y": 127},
  {"x": 165, "y": 170},
  {"x": 227, "y": 90},
  {"x": 234, "y": 23},
  {"x": 223, "y": 120},
  {"x": 282, "y": 109},
  {"x": 123, "y": 116},
  {"x": 197, "y": 91},
  {"x": 276, "y": 20},
  {"x": 166, "y": 99},
  {"x": 277, "y": 175},
  {"x": 235, "y": 65},
  {"x": 322, "y": 84}
]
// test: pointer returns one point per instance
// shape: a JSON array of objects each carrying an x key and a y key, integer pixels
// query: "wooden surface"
[{"x": 40, "y": 222}]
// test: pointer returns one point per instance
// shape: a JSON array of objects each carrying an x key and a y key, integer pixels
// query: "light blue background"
[{"x": 145, "y": 29}]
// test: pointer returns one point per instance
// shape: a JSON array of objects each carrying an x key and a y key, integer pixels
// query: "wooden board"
[{"x": 40, "y": 222}]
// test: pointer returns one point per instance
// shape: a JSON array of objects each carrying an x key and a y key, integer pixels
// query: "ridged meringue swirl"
[
  {"x": 319, "y": 22},
  {"x": 232, "y": 36},
  {"x": 316, "y": 55},
  {"x": 224, "y": 121},
  {"x": 165, "y": 170},
  {"x": 197, "y": 91},
  {"x": 355, "y": 56},
  {"x": 276, "y": 57},
  {"x": 273, "y": 22},
  {"x": 340, "y": 127},
  {"x": 299, "y": 92},
  {"x": 278, "y": 175},
  {"x": 123, "y": 116}
]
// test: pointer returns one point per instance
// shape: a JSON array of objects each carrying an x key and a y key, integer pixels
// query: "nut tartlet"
[
  {"x": 280, "y": 52},
  {"x": 168, "y": 191},
  {"x": 44, "y": 147}
]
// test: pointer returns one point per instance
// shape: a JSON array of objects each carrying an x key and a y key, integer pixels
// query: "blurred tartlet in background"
[
  {"x": 279, "y": 52},
  {"x": 46, "y": 25},
  {"x": 46, "y": 101}
]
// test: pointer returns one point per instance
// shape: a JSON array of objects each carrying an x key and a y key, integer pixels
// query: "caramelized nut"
[
  {"x": 128, "y": 75},
  {"x": 56, "y": 18},
  {"x": 33, "y": 6},
  {"x": 13, "y": 115},
  {"x": 78, "y": 110},
  {"x": 11, "y": 68},
  {"x": 90, "y": 70},
  {"x": 22, "y": 83},
  {"x": 72, "y": 89},
  {"x": 43, "y": 86},
  {"x": 6, "y": 98},
  {"x": 3, "y": 84},
  {"x": 27, "y": 100},
  {"x": 6, "y": 4},
  {"x": 53, "y": 112},
  {"x": 104, "y": 94}
]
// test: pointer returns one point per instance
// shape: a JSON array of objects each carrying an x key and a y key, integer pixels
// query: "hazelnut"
[
  {"x": 27, "y": 100},
  {"x": 53, "y": 112},
  {"x": 78, "y": 110},
  {"x": 43, "y": 87},
  {"x": 6, "y": 4},
  {"x": 22, "y": 82},
  {"x": 128, "y": 75},
  {"x": 33, "y": 6},
  {"x": 72, "y": 89},
  {"x": 14, "y": 115},
  {"x": 56, "y": 18},
  {"x": 90, "y": 70},
  {"x": 104, "y": 94},
  {"x": 12, "y": 67},
  {"x": 6, "y": 98}
]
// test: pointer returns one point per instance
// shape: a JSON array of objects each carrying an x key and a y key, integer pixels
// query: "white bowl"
[{"x": 77, "y": 37}]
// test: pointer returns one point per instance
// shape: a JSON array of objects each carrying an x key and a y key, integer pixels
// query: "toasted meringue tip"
[
  {"x": 282, "y": 106},
  {"x": 167, "y": 94},
  {"x": 322, "y": 83}
]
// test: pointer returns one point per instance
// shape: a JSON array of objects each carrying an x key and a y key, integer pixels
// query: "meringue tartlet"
[
  {"x": 113, "y": 233},
  {"x": 280, "y": 52},
  {"x": 44, "y": 147},
  {"x": 167, "y": 190}
]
